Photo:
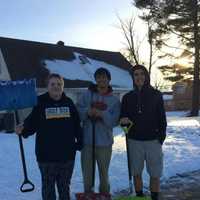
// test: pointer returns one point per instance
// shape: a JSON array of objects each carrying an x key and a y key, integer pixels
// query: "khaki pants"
[{"x": 102, "y": 157}]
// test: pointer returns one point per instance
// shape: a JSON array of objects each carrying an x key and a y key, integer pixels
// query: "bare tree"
[
  {"x": 131, "y": 41},
  {"x": 158, "y": 82},
  {"x": 150, "y": 40}
]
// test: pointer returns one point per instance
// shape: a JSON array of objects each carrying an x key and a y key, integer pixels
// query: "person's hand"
[
  {"x": 18, "y": 129},
  {"x": 91, "y": 112},
  {"x": 95, "y": 113},
  {"x": 98, "y": 114},
  {"x": 125, "y": 121},
  {"x": 78, "y": 146},
  {"x": 161, "y": 138}
]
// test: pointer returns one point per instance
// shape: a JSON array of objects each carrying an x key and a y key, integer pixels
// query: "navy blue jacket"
[
  {"x": 146, "y": 110},
  {"x": 57, "y": 128}
]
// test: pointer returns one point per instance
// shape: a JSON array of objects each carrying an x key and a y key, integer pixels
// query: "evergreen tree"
[{"x": 179, "y": 17}]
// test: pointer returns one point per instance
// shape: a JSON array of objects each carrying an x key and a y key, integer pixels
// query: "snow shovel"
[
  {"x": 126, "y": 128},
  {"x": 19, "y": 95},
  {"x": 27, "y": 185},
  {"x": 93, "y": 195}
]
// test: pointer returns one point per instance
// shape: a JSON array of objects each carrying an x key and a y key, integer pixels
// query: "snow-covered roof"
[
  {"x": 28, "y": 59},
  {"x": 76, "y": 70}
]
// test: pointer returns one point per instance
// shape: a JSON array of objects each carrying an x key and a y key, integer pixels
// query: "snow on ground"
[
  {"x": 176, "y": 114},
  {"x": 181, "y": 154},
  {"x": 168, "y": 97},
  {"x": 75, "y": 70}
]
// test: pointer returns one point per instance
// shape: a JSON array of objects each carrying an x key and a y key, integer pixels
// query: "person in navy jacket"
[
  {"x": 144, "y": 107},
  {"x": 56, "y": 123}
]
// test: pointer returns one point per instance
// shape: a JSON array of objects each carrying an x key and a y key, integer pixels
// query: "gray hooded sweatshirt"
[{"x": 110, "y": 107}]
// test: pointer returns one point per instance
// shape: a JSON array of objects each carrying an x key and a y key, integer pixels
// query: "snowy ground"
[{"x": 181, "y": 154}]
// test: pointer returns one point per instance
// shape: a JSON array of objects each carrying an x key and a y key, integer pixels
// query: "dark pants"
[{"x": 53, "y": 174}]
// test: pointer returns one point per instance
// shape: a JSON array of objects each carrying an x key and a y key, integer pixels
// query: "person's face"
[
  {"x": 55, "y": 87},
  {"x": 102, "y": 80},
  {"x": 139, "y": 77}
]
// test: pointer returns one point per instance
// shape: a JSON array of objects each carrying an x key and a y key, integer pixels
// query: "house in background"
[
  {"x": 182, "y": 93},
  {"x": 168, "y": 101},
  {"x": 181, "y": 96},
  {"x": 21, "y": 59}
]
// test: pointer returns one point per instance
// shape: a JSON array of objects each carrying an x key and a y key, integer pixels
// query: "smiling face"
[
  {"x": 139, "y": 78},
  {"x": 55, "y": 87},
  {"x": 102, "y": 80}
]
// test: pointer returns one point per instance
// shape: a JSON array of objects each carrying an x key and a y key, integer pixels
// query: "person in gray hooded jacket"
[{"x": 100, "y": 105}]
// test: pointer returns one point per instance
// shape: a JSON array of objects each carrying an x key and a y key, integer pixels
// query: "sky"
[{"x": 85, "y": 23}]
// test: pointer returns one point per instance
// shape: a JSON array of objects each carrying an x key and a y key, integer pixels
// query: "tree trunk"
[
  {"x": 151, "y": 51},
  {"x": 196, "y": 82}
]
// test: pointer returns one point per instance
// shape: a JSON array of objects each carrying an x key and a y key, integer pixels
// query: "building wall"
[
  {"x": 182, "y": 93},
  {"x": 74, "y": 94},
  {"x": 169, "y": 105}
]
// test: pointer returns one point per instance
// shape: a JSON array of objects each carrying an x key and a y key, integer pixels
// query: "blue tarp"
[{"x": 17, "y": 94}]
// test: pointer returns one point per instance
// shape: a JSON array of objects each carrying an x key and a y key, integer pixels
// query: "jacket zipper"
[{"x": 139, "y": 103}]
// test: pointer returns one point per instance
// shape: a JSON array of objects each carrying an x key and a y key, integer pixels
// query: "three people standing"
[{"x": 56, "y": 121}]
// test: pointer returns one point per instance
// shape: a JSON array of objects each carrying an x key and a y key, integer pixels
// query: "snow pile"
[{"x": 176, "y": 114}]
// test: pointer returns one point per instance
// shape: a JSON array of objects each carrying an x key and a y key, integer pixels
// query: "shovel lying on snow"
[{"x": 92, "y": 195}]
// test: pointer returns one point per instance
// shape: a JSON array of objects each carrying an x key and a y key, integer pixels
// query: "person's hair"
[
  {"x": 102, "y": 71},
  {"x": 54, "y": 75}
]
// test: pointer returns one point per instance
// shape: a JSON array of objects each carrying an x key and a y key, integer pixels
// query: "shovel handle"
[
  {"x": 126, "y": 127},
  {"x": 28, "y": 183}
]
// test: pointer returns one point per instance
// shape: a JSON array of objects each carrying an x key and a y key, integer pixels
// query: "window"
[{"x": 83, "y": 59}]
